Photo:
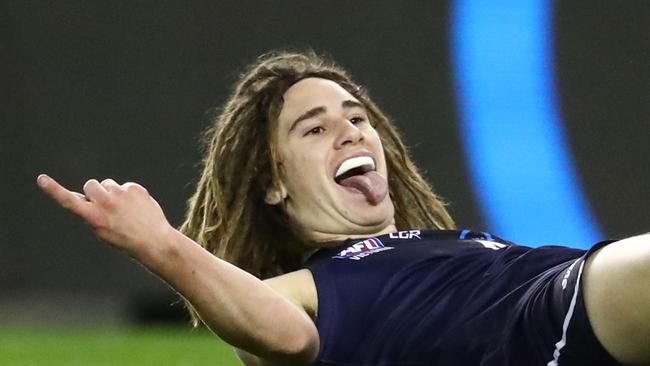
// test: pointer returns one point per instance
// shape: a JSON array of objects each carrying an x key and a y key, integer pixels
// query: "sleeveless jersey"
[{"x": 442, "y": 298}]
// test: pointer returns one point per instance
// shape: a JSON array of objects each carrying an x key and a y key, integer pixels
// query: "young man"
[{"x": 307, "y": 184}]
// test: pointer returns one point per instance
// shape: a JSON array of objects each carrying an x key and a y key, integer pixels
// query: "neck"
[
  {"x": 326, "y": 240},
  {"x": 322, "y": 240}
]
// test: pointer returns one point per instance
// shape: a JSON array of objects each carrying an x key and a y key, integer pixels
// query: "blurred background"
[{"x": 529, "y": 117}]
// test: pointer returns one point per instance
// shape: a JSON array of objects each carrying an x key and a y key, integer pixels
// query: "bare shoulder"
[{"x": 299, "y": 287}]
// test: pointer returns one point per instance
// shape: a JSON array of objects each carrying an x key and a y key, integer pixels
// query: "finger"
[
  {"x": 109, "y": 184},
  {"x": 95, "y": 192},
  {"x": 132, "y": 186},
  {"x": 73, "y": 201},
  {"x": 80, "y": 196}
]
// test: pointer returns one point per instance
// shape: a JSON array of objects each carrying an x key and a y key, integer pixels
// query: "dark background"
[{"x": 122, "y": 90}]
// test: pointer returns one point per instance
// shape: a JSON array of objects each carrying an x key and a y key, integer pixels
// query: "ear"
[{"x": 275, "y": 194}]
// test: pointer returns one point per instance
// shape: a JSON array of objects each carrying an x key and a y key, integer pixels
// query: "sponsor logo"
[
  {"x": 362, "y": 249},
  {"x": 405, "y": 234}
]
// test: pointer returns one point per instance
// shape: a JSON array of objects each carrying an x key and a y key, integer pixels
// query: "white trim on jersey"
[{"x": 567, "y": 319}]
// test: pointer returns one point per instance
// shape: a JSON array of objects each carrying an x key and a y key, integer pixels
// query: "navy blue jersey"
[{"x": 448, "y": 298}]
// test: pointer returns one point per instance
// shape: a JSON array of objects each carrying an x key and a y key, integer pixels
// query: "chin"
[{"x": 374, "y": 218}]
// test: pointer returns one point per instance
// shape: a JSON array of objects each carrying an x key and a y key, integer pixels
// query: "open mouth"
[
  {"x": 358, "y": 174},
  {"x": 354, "y": 166}
]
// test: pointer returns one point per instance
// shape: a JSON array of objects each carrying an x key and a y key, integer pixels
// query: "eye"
[
  {"x": 315, "y": 131},
  {"x": 356, "y": 120}
]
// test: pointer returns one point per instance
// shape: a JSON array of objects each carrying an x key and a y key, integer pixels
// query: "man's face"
[{"x": 332, "y": 165}]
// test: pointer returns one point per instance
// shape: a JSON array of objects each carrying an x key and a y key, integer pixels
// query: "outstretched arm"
[
  {"x": 617, "y": 298},
  {"x": 237, "y": 306}
]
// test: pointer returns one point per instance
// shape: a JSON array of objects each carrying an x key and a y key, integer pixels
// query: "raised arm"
[
  {"x": 617, "y": 298},
  {"x": 241, "y": 309}
]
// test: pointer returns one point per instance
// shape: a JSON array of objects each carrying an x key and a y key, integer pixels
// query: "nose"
[{"x": 349, "y": 134}]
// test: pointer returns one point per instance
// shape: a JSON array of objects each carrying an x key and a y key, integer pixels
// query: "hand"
[{"x": 124, "y": 215}]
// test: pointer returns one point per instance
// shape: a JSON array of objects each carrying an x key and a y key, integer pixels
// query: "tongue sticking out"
[{"x": 371, "y": 184}]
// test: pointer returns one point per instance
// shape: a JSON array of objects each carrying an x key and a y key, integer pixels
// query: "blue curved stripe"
[{"x": 513, "y": 138}]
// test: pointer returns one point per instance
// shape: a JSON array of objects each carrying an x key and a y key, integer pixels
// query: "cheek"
[
  {"x": 375, "y": 137},
  {"x": 379, "y": 148},
  {"x": 375, "y": 141},
  {"x": 303, "y": 172}
]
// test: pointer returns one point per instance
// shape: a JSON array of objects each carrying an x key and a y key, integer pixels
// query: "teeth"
[{"x": 353, "y": 163}]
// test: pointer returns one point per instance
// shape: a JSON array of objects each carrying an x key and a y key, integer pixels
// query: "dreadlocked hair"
[{"x": 227, "y": 214}]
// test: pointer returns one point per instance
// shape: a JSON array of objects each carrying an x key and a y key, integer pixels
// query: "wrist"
[{"x": 159, "y": 249}]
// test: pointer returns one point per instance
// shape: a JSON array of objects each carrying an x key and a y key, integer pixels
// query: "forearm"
[
  {"x": 237, "y": 306},
  {"x": 240, "y": 308}
]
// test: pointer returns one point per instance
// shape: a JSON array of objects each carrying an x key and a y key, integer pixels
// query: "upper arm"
[
  {"x": 617, "y": 298},
  {"x": 299, "y": 287},
  {"x": 250, "y": 360}
]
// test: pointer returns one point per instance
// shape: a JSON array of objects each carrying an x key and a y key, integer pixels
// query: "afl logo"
[{"x": 362, "y": 249}]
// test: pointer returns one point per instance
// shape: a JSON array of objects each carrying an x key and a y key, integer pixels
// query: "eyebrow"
[{"x": 316, "y": 111}]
